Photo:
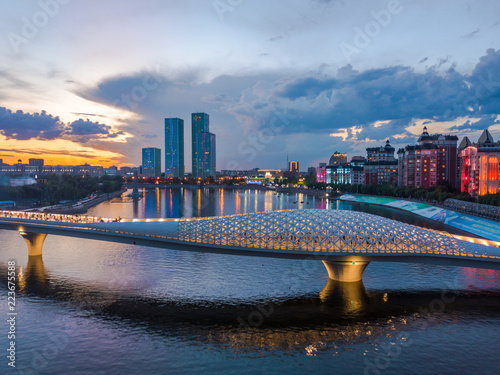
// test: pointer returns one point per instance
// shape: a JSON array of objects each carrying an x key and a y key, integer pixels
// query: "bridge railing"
[{"x": 55, "y": 217}]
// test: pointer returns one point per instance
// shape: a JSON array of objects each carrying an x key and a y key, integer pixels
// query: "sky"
[{"x": 92, "y": 81}]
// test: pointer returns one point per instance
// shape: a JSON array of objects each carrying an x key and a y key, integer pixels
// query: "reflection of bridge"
[
  {"x": 341, "y": 313},
  {"x": 345, "y": 241}
]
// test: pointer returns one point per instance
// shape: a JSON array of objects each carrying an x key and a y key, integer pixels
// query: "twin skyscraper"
[{"x": 203, "y": 147}]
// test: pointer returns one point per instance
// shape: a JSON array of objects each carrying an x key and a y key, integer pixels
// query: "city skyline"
[{"x": 339, "y": 76}]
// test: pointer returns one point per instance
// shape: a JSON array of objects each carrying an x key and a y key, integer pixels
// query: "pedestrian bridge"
[{"x": 346, "y": 241}]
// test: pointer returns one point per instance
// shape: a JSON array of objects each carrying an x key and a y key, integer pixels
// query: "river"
[{"x": 92, "y": 307}]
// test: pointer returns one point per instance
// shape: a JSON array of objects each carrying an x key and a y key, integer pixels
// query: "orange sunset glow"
[{"x": 56, "y": 152}]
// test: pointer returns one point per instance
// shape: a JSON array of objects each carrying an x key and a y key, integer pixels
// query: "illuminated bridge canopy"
[
  {"x": 333, "y": 236},
  {"x": 326, "y": 231}
]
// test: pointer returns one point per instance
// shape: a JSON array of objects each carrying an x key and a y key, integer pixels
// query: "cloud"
[
  {"x": 43, "y": 151},
  {"x": 22, "y": 126},
  {"x": 477, "y": 124},
  {"x": 395, "y": 94},
  {"x": 276, "y": 38},
  {"x": 472, "y": 34},
  {"x": 125, "y": 91},
  {"x": 486, "y": 82},
  {"x": 12, "y": 80},
  {"x": 87, "y": 127},
  {"x": 87, "y": 114},
  {"x": 319, "y": 102},
  {"x": 83, "y": 131}
]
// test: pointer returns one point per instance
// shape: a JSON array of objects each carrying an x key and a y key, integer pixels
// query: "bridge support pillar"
[
  {"x": 34, "y": 242},
  {"x": 345, "y": 271}
]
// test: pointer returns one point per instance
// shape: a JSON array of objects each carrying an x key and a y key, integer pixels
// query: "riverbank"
[
  {"x": 81, "y": 206},
  {"x": 278, "y": 189},
  {"x": 194, "y": 187},
  {"x": 485, "y": 228},
  {"x": 312, "y": 192}
]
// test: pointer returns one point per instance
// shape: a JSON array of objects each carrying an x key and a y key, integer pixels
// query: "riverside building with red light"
[{"x": 480, "y": 167}]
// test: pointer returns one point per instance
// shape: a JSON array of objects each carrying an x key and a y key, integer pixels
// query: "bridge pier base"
[
  {"x": 34, "y": 242},
  {"x": 345, "y": 271}
]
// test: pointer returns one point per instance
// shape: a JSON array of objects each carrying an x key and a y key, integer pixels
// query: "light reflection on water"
[{"x": 119, "y": 308}]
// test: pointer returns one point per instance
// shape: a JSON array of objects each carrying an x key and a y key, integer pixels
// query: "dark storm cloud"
[
  {"x": 387, "y": 131},
  {"x": 127, "y": 92},
  {"x": 83, "y": 131},
  {"x": 485, "y": 91},
  {"x": 319, "y": 102},
  {"x": 396, "y": 94},
  {"x": 86, "y": 127},
  {"x": 22, "y": 126},
  {"x": 483, "y": 123},
  {"x": 304, "y": 87}
]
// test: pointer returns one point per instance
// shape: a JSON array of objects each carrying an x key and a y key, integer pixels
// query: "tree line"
[
  {"x": 437, "y": 193},
  {"x": 52, "y": 189}
]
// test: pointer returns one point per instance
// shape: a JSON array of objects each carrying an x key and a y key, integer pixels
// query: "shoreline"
[
  {"x": 187, "y": 186},
  {"x": 485, "y": 228},
  {"x": 312, "y": 192},
  {"x": 444, "y": 213},
  {"x": 79, "y": 207}
]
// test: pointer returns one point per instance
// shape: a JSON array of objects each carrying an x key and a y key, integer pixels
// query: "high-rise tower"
[
  {"x": 203, "y": 146},
  {"x": 174, "y": 147},
  {"x": 151, "y": 162}
]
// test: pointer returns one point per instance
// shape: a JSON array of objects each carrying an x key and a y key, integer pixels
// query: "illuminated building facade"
[
  {"x": 203, "y": 146},
  {"x": 431, "y": 161},
  {"x": 321, "y": 173},
  {"x": 358, "y": 175},
  {"x": 358, "y": 161},
  {"x": 480, "y": 167},
  {"x": 293, "y": 166},
  {"x": 174, "y": 147},
  {"x": 462, "y": 146},
  {"x": 263, "y": 176},
  {"x": 151, "y": 162},
  {"x": 344, "y": 174},
  {"x": 381, "y": 166},
  {"x": 38, "y": 163},
  {"x": 338, "y": 158}
]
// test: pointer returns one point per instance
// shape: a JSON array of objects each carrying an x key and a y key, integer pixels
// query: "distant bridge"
[{"x": 346, "y": 241}]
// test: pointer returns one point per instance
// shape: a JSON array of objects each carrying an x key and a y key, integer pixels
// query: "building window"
[{"x": 493, "y": 169}]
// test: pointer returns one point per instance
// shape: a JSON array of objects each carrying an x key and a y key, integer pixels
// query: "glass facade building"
[
  {"x": 203, "y": 146},
  {"x": 174, "y": 147},
  {"x": 151, "y": 162}
]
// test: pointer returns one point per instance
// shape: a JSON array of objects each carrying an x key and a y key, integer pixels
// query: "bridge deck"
[{"x": 299, "y": 234}]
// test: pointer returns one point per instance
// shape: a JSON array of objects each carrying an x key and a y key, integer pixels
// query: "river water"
[{"x": 92, "y": 307}]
